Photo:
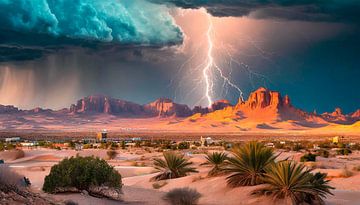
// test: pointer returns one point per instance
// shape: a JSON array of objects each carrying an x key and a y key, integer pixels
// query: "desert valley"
[
  {"x": 265, "y": 111},
  {"x": 179, "y": 102}
]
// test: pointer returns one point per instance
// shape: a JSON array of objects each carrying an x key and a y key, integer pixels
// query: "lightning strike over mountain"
[{"x": 210, "y": 64}]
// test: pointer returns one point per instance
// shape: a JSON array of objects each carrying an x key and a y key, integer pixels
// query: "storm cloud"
[
  {"x": 307, "y": 10},
  {"x": 31, "y": 28}
]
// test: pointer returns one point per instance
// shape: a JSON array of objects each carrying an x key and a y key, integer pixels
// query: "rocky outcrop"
[
  {"x": 15, "y": 195},
  {"x": 107, "y": 105},
  {"x": 356, "y": 115},
  {"x": 164, "y": 107},
  {"x": 337, "y": 116},
  {"x": 105, "y": 191},
  {"x": 264, "y": 98},
  {"x": 220, "y": 104},
  {"x": 8, "y": 109}
]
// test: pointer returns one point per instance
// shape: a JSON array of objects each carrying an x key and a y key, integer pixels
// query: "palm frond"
[
  {"x": 248, "y": 164},
  {"x": 290, "y": 180},
  {"x": 172, "y": 166},
  {"x": 216, "y": 161}
]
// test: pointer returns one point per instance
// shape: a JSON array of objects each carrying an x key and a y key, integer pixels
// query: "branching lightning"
[
  {"x": 202, "y": 71},
  {"x": 212, "y": 64}
]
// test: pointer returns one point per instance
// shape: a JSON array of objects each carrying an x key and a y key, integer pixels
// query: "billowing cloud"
[
  {"x": 309, "y": 10},
  {"x": 35, "y": 27}
]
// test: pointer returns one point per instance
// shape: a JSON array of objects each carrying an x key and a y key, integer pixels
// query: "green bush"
[
  {"x": 81, "y": 173},
  {"x": 182, "y": 196},
  {"x": 184, "y": 145},
  {"x": 323, "y": 153},
  {"x": 343, "y": 151},
  {"x": 297, "y": 147},
  {"x": 309, "y": 157},
  {"x": 111, "y": 154}
]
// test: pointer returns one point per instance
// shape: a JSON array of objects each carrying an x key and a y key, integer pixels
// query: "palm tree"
[
  {"x": 248, "y": 163},
  {"x": 292, "y": 181},
  {"x": 216, "y": 160},
  {"x": 174, "y": 166}
]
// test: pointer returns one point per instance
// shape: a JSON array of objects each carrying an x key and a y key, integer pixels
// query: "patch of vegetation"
[
  {"x": 158, "y": 185},
  {"x": 81, "y": 173},
  {"x": 9, "y": 179},
  {"x": 309, "y": 157},
  {"x": 70, "y": 202},
  {"x": 172, "y": 166},
  {"x": 111, "y": 154},
  {"x": 184, "y": 145},
  {"x": 292, "y": 181},
  {"x": 182, "y": 196},
  {"x": 297, "y": 147},
  {"x": 343, "y": 151},
  {"x": 216, "y": 161},
  {"x": 248, "y": 164},
  {"x": 323, "y": 153},
  {"x": 346, "y": 173}
]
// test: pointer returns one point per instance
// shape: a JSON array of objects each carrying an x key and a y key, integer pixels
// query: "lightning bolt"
[
  {"x": 202, "y": 71},
  {"x": 210, "y": 64}
]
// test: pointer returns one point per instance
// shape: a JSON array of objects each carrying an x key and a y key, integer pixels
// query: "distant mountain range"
[{"x": 264, "y": 109}]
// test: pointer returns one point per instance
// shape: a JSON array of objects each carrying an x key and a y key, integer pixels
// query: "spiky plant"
[
  {"x": 216, "y": 161},
  {"x": 248, "y": 163},
  {"x": 172, "y": 166},
  {"x": 293, "y": 181}
]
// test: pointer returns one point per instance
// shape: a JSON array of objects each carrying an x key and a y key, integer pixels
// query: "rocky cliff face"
[
  {"x": 164, "y": 107},
  {"x": 337, "y": 116},
  {"x": 107, "y": 105},
  {"x": 263, "y": 98},
  {"x": 262, "y": 105},
  {"x": 356, "y": 115},
  {"x": 8, "y": 109},
  {"x": 103, "y": 104}
]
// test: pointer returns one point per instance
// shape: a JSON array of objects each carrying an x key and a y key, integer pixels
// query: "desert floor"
[{"x": 135, "y": 166}]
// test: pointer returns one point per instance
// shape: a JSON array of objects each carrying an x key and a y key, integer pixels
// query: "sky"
[{"x": 54, "y": 52}]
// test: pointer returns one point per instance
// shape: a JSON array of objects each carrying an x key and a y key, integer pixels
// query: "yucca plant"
[
  {"x": 294, "y": 182},
  {"x": 248, "y": 163},
  {"x": 172, "y": 166},
  {"x": 216, "y": 160}
]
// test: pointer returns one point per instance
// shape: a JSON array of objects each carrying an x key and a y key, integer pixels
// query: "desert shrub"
[
  {"x": 123, "y": 145},
  {"x": 172, "y": 166},
  {"x": 81, "y": 173},
  {"x": 216, "y": 161},
  {"x": 292, "y": 181},
  {"x": 355, "y": 146},
  {"x": 279, "y": 145},
  {"x": 346, "y": 173},
  {"x": 326, "y": 145},
  {"x": 309, "y": 157},
  {"x": 297, "y": 147},
  {"x": 70, "y": 202},
  {"x": 343, "y": 151},
  {"x": 10, "y": 146},
  {"x": 184, "y": 145},
  {"x": 182, "y": 196},
  {"x": 2, "y": 161},
  {"x": 323, "y": 153},
  {"x": 158, "y": 185},
  {"x": 111, "y": 154},
  {"x": 248, "y": 164},
  {"x": 356, "y": 168},
  {"x": 9, "y": 178}
]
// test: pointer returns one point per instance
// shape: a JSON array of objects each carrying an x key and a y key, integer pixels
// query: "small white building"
[{"x": 12, "y": 139}]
